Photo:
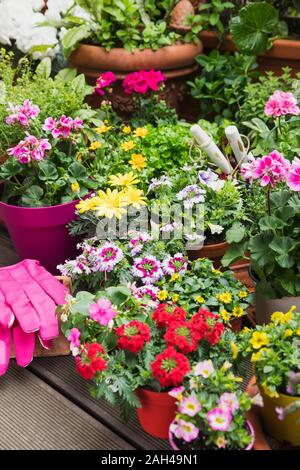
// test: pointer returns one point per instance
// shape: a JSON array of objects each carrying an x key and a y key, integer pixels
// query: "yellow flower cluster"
[
  {"x": 103, "y": 129},
  {"x": 112, "y": 203},
  {"x": 225, "y": 297},
  {"x": 280, "y": 317}
]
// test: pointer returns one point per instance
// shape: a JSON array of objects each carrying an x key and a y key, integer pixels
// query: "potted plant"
[
  {"x": 47, "y": 170},
  {"x": 134, "y": 354},
  {"x": 274, "y": 352},
  {"x": 255, "y": 31},
  {"x": 129, "y": 36},
  {"x": 211, "y": 411}
]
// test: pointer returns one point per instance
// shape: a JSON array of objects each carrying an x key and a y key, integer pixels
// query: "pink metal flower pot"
[{"x": 41, "y": 233}]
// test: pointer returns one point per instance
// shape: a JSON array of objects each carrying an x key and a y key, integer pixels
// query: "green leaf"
[
  {"x": 32, "y": 197},
  {"x": 119, "y": 294},
  {"x": 259, "y": 247},
  {"x": 43, "y": 70},
  {"x": 285, "y": 260},
  {"x": 78, "y": 171},
  {"x": 251, "y": 30},
  {"x": 47, "y": 171},
  {"x": 66, "y": 75},
  {"x": 2, "y": 92},
  {"x": 269, "y": 222},
  {"x": 234, "y": 253},
  {"x": 73, "y": 37},
  {"x": 236, "y": 233},
  {"x": 282, "y": 245},
  {"x": 79, "y": 84},
  {"x": 279, "y": 199}
]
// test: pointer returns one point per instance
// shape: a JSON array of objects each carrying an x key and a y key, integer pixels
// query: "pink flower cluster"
[
  {"x": 102, "y": 311},
  {"x": 270, "y": 169},
  {"x": 22, "y": 113},
  {"x": 104, "y": 81},
  {"x": 61, "y": 128},
  {"x": 281, "y": 103},
  {"x": 143, "y": 81},
  {"x": 293, "y": 177},
  {"x": 175, "y": 264},
  {"x": 148, "y": 269},
  {"x": 29, "y": 149},
  {"x": 137, "y": 241}
]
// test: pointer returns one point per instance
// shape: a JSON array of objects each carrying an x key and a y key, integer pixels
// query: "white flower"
[
  {"x": 257, "y": 400},
  {"x": 215, "y": 228},
  {"x": 75, "y": 352},
  {"x": 216, "y": 185},
  {"x": 64, "y": 317}
]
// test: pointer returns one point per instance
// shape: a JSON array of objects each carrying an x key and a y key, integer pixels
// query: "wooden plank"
[
  {"x": 60, "y": 373},
  {"x": 35, "y": 416}
]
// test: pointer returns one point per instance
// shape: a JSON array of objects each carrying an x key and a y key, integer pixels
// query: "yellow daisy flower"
[
  {"x": 226, "y": 297},
  {"x": 242, "y": 294},
  {"x": 175, "y": 298},
  {"x": 126, "y": 129},
  {"x": 95, "y": 145},
  {"x": 225, "y": 315},
  {"x": 141, "y": 132},
  {"x": 234, "y": 350},
  {"x": 138, "y": 161},
  {"x": 238, "y": 311},
  {"x": 103, "y": 129},
  {"x": 287, "y": 333},
  {"x": 75, "y": 187},
  {"x": 259, "y": 339},
  {"x": 84, "y": 206},
  {"x": 126, "y": 180},
  {"x": 174, "y": 277},
  {"x": 134, "y": 197},
  {"x": 162, "y": 295},
  {"x": 128, "y": 145},
  {"x": 199, "y": 299},
  {"x": 111, "y": 204}
]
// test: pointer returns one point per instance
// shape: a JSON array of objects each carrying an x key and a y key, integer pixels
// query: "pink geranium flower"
[
  {"x": 293, "y": 177},
  {"x": 281, "y": 103},
  {"x": 143, "y": 81},
  {"x": 74, "y": 338},
  {"x": 270, "y": 169},
  {"x": 62, "y": 127},
  {"x": 104, "y": 81},
  {"x": 22, "y": 113},
  {"x": 219, "y": 419},
  {"x": 29, "y": 149},
  {"x": 102, "y": 311}
]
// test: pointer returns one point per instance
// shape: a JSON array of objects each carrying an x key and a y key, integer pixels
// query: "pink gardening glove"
[{"x": 28, "y": 298}]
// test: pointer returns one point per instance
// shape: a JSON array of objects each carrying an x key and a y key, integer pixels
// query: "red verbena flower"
[
  {"x": 165, "y": 314},
  {"x": 133, "y": 336},
  {"x": 91, "y": 360},
  {"x": 170, "y": 367},
  {"x": 180, "y": 334},
  {"x": 206, "y": 325}
]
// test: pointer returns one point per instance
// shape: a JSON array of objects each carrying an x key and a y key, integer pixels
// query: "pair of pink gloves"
[{"x": 28, "y": 298}]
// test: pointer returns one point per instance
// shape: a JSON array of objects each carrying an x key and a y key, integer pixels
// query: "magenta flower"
[
  {"x": 106, "y": 257},
  {"x": 74, "y": 338},
  {"x": 189, "y": 406},
  {"x": 104, "y": 81},
  {"x": 281, "y": 103},
  {"x": 270, "y": 169},
  {"x": 293, "y": 177},
  {"x": 148, "y": 269},
  {"x": 143, "y": 81},
  {"x": 102, "y": 311},
  {"x": 184, "y": 430},
  {"x": 219, "y": 419},
  {"x": 174, "y": 264},
  {"x": 29, "y": 149},
  {"x": 229, "y": 401},
  {"x": 177, "y": 392},
  {"x": 63, "y": 127},
  {"x": 22, "y": 113}
]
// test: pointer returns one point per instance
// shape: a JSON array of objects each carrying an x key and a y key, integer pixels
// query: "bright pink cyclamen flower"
[
  {"x": 104, "y": 81},
  {"x": 281, "y": 103},
  {"x": 29, "y": 149},
  {"x": 63, "y": 127},
  {"x": 22, "y": 113},
  {"x": 270, "y": 169},
  {"x": 293, "y": 177},
  {"x": 143, "y": 81}
]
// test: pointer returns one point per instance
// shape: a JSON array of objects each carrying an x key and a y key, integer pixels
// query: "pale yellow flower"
[
  {"x": 138, "y": 161},
  {"x": 79, "y": 157},
  {"x": 134, "y": 197},
  {"x": 141, "y": 132},
  {"x": 270, "y": 393},
  {"x": 256, "y": 357},
  {"x": 103, "y": 129},
  {"x": 126, "y": 180},
  {"x": 111, "y": 204},
  {"x": 95, "y": 145},
  {"x": 126, "y": 129},
  {"x": 128, "y": 145},
  {"x": 84, "y": 206},
  {"x": 75, "y": 187}
]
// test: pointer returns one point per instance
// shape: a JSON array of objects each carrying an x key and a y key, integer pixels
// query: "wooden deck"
[{"x": 48, "y": 406}]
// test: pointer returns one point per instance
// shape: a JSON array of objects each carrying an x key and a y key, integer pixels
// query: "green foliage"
[
  {"x": 255, "y": 27},
  {"x": 221, "y": 85}
]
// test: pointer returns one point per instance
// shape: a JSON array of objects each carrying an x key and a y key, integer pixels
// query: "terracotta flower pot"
[
  {"x": 157, "y": 412},
  {"x": 286, "y": 430},
  {"x": 177, "y": 62},
  {"x": 284, "y": 53},
  {"x": 214, "y": 252},
  {"x": 241, "y": 272}
]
